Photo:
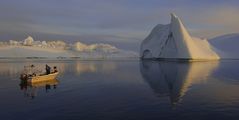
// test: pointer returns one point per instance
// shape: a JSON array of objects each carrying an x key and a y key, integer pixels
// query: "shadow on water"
[
  {"x": 173, "y": 79},
  {"x": 31, "y": 89}
]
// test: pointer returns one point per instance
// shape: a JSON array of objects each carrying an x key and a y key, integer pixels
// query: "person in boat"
[
  {"x": 48, "y": 69},
  {"x": 55, "y": 69}
]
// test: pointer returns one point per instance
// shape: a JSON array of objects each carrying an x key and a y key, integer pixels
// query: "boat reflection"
[
  {"x": 173, "y": 79},
  {"x": 31, "y": 89}
]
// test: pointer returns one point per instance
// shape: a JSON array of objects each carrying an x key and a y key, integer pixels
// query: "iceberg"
[
  {"x": 28, "y": 41},
  {"x": 172, "y": 41},
  {"x": 226, "y": 45},
  {"x": 29, "y": 48}
]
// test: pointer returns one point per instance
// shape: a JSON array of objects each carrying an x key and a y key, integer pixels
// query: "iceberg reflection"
[{"x": 173, "y": 79}]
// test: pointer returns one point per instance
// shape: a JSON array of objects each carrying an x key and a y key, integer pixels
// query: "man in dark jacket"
[{"x": 48, "y": 69}]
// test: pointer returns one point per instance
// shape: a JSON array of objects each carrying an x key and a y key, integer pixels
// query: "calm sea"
[{"x": 122, "y": 90}]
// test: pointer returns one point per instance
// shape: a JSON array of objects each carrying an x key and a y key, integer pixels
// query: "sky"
[{"x": 123, "y": 23}]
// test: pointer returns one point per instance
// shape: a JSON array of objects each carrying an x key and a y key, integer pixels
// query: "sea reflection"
[
  {"x": 92, "y": 66},
  {"x": 31, "y": 89},
  {"x": 125, "y": 89},
  {"x": 173, "y": 79},
  {"x": 79, "y": 67},
  {"x": 15, "y": 68}
]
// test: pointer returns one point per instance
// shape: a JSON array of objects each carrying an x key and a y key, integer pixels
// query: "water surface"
[{"x": 124, "y": 90}]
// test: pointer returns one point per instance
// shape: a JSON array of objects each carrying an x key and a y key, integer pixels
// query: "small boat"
[
  {"x": 51, "y": 82},
  {"x": 32, "y": 75},
  {"x": 25, "y": 84},
  {"x": 42, "y": 78}
]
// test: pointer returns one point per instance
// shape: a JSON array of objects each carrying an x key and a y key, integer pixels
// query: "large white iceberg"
[{"x": 172, "y": 41}]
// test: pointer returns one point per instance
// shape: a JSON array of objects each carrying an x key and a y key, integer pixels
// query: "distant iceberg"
[
  {"x": 172, "y": 41},
  {"x": 29, "y": 48},
  {"x": 226, "y": 45}
]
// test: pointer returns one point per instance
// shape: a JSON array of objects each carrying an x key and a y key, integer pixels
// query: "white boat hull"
[{"x": 42, "y": 78}]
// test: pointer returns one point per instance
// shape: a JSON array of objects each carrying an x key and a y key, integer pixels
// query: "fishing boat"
[
  {"x": 33, "y": 76},
  {"x": 42, "y": 78},
  {"x": 51, "y": 82}
]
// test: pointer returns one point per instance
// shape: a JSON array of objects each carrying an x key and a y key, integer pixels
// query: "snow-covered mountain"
[
  {"x": 29, "y": 48},
  {"x": 172, "y": 41}
]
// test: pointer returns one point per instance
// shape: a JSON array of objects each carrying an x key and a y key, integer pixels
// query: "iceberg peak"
[
  {"x": 28, "y": 41},
  {"x": 172, "y": 41},
  {"x": 173, "y": 15}
]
